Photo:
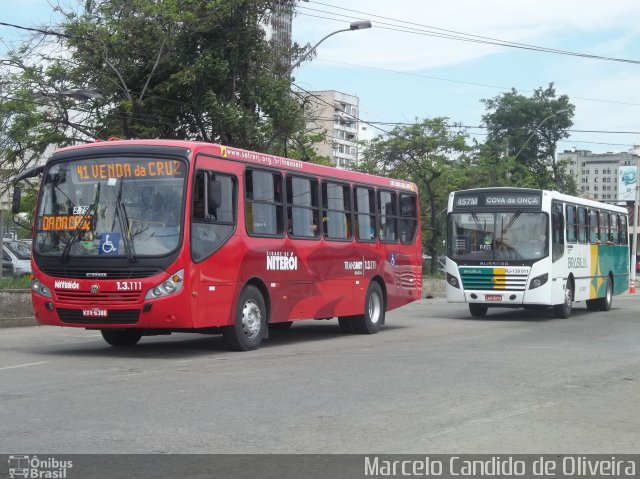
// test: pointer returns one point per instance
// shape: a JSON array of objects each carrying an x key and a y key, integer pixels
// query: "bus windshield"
[
  {"x": 111, "y": 207},
  {"x": 514, "y": 235}
]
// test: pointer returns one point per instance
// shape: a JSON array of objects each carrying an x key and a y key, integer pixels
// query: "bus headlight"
[
  {"x": 452, "y": 280},
  {"x": 167, "y": 287},
  {"x": 41, "y": 289},
  {"x": 539, "y": 281}
]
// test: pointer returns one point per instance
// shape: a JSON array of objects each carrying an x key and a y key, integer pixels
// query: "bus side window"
[
  {"x": 387, "y": 214},
  {"x": 264, "y": 208},
  {"x": 211, "y": 229},
  {"x": 582, "y": 225},
  {"x": 408, "y": 218},
  {"x": 614, "y": 236},
  {"x": 365, "y": 214},
  {"x": 572, "y": 225},
  {"x": 624, "y": 237},
  {"x": 593, "y": 226},
  {"x": 557, "y": 231},
  {"x": 604, "y": 227}
]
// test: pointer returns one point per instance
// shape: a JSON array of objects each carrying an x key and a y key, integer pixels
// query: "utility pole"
[{"x": 634, "y": 240}]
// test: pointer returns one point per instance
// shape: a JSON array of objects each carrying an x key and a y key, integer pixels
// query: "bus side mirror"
[
  {"x": 17, "y": 195},
  {"x": 214, "y": 197}
]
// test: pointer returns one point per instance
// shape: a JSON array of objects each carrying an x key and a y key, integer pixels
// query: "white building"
[
  {"x": 597, "y": 174},
  {"x": 337, "y": 114}
]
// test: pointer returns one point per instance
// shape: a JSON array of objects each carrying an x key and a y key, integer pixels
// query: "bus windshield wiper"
[
  {"x": 78, "y": 231},
  {"x": 123, "y": 221},
  {"x": 511, "y": 221}
]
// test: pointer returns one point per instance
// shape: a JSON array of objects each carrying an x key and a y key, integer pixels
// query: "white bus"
[{"x": 517, "y": 247}]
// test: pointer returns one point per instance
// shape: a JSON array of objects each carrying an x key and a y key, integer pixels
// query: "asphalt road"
[{"x": 434, "y": 380}]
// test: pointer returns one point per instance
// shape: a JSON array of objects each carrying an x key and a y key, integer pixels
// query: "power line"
[
  {"x": 429, "y": 30},
  {"x": 463, "y": 82}
]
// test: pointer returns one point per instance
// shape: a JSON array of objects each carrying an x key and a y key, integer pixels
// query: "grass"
[{"x": 22, "y": 282}]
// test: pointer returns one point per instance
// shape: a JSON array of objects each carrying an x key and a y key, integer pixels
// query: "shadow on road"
[
  {"x": 187, "y": 345},
  {"x": 524, "y": 315}
]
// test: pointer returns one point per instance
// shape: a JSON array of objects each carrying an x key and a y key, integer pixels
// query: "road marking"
[
  {"x": 489, "y": 419},
  {"x": 24, "y": 365}
]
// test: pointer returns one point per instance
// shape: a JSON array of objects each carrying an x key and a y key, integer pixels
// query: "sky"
[{"x": 401, "y": 72}]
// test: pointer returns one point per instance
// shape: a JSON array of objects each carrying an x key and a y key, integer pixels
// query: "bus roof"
[{"x": 238, "y": 154}]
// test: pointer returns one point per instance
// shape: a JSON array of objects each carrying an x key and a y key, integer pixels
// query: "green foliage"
[
  {"x": 188, "y": 69},
  {"x": 523, "y": 133},
  {"x": 433, "y": 155},
  {"x": 22, "y": 282}
]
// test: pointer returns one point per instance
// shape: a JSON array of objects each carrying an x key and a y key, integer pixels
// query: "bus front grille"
[
  {"x": 100, "y": 273},
  {"x": 114, "y": 316},
  {"x": 491, "y": 281},
  {"x": 82, "y": 297}
]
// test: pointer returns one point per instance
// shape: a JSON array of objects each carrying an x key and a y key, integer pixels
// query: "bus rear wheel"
[
  {"x": 129, "y": 337},
  {"x": 373, "y": 317},
  {"x": 251, "y": 321},
  {"x": 563, "y": 310},
  {"x": 478, "y": 310},
  {"x": 605, "y": 303}
]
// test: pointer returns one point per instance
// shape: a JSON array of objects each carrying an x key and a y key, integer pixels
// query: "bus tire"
[
  {"x": 478, "y": 310},
  {"x": 251, "y": 321},
  {"x": 346, "y": 324},
  {"x": 373, "y": 317},
  {"x": 563, "y": 310},
  {"x": 605, "y": 303},
  {"x": 127, "y": 338}
]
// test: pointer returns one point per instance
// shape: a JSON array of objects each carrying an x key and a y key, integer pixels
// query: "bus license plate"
[{"x": 493, "y": 297}]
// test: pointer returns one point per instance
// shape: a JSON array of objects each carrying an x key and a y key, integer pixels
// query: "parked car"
[{"x": 19, "y": 255}]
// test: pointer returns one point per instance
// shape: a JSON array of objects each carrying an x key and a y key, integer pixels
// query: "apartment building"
[
  {"x": 601, "y": 176},
  {"x": 337, "y": 114}
]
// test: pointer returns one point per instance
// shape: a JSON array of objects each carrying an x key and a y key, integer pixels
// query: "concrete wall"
[
  {"x": 15, "y": 308},
  {"x": 433, "y": 288}
]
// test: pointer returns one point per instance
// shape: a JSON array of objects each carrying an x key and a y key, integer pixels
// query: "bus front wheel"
[
  {"x": 129, "y": 337},
  {"x": 478, "y": 310},
  {"x": 251, "y": 321},
  {"x": 373, "y": 317},
  {"x": 563, "y": 310}
]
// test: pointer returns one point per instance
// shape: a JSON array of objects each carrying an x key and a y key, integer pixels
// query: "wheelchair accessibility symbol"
[{"x": 109, "y": 243}]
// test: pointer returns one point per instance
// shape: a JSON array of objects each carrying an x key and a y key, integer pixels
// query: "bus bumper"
[{"x": 161, "y": 313}]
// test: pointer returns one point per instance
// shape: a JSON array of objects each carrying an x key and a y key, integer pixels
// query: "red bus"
[{"x": 137, "y": 237}]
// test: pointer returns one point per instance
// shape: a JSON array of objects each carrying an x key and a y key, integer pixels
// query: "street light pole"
[
  {"x": 360, "y": 25},
  {"x": 559, "y": 112},
  {"x": 634, "y": 240}
]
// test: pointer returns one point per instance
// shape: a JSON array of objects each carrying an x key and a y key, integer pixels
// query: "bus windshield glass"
[
  {"x": 128, "y": 207},
  {"x": 501, "y": 236}
]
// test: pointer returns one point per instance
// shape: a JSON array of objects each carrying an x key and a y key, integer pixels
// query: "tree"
[
  {"x": 523, "y": 135},
  {"x": 430, "y": 153},
  {"x": 188, "y": 69}
]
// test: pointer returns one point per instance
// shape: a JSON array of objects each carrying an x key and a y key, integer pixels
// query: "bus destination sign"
[
  {"x": 129, "y": 169},
  {"x": 511, "y": 199}
]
